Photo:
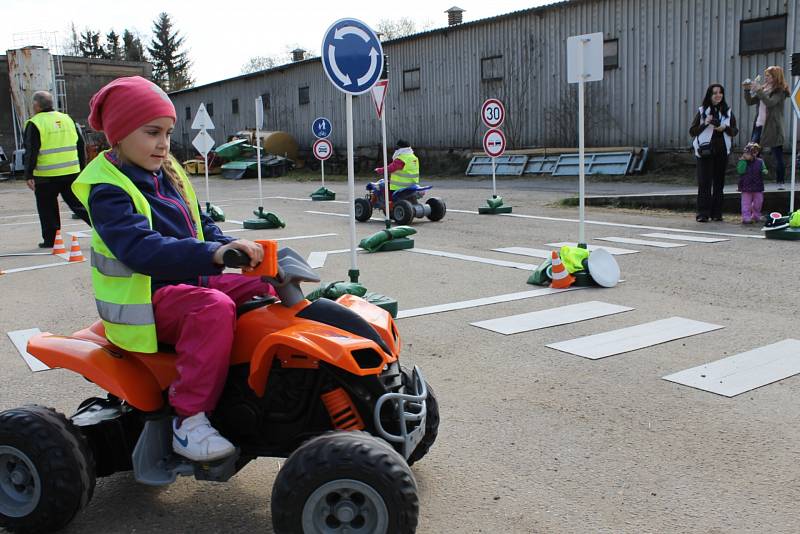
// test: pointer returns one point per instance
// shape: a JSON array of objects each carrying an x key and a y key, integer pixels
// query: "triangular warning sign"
[
  {"x": 202, "y": 121},
  {"x": 379, "y": 94}
]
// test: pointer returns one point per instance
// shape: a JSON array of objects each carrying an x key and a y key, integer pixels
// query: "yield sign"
[
  {"x": 203, "y": 142},
  {"x": 379, "y": 94},
  {"x": 202, "y": 121}
]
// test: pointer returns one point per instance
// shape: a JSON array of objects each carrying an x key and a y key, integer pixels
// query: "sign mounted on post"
[
  {"x": 585, "y": 58},
  {"x": 379, "y": 94},
  {"x": 321, "y": 127},
  {"x": 493, "y": 113},
  {"x": 494, "y": 143},
  {"x": 202, "y": 121},
  {"x": 259, "y": 113},
  {"x": 352, "y": 56},
  {"x": 322, "y": 149},
  {"x": 203, "y": 143},
  {"x": 796, "y": 100}
]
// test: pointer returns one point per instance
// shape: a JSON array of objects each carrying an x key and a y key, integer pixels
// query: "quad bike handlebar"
[{"x": 292, "y": 271}]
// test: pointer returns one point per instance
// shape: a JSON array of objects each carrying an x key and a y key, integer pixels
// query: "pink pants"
[
  {"x": 200, "y": 322},
  {"x": 751, "y": 205}
]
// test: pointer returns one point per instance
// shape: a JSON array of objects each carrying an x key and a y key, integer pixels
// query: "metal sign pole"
[
  {"x": 322, "y": 168},
  {"x": 208, "y": 191},
  {"x": 494, "y": 185},
  {"x": 794, "y": 161},
  {"x": 387, "y": 221},
  {"x": 581, "y": 189},
  {"x": 351, "y": 184},
  {"x": 258, "y": 152}
]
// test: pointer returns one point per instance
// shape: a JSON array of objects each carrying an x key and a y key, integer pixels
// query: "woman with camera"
[
  {"x": 769, "y": 96},
  {"x": 713, "y": 129}
]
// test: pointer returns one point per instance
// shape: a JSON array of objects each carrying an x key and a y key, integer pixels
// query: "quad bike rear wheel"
[
  {"x": 363, "y": 209},
  {"x": 402, "y": 212},
  {"x": 431, "y": 420},
  {"x": 438, "y": 208},
  {"x": 47, "y": 472},
  {"x": 345, "y": 482}
]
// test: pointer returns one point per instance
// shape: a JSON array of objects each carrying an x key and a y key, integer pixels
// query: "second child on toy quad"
[
  {"x": 404, "y": 168},
  {"x": 157, "y": 260}
]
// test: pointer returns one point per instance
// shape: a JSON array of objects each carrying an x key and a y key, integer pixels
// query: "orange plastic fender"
[
  {"x": 311, "y": 343},
  {"x": 118, "y": 373},
  {"x": 380, "y": 319}
]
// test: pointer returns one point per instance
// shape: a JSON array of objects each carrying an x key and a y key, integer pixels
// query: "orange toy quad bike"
[{"x": 319, "y": 383}]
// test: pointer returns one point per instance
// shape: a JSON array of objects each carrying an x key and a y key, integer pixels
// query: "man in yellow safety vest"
[
  {"x": 54, "y": 156},
  {"x": 404, "y": 168}
]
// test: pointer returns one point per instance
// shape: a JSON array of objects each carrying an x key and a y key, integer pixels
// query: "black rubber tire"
[
  {"x": 402, "y": 212},
  {"x": 345, "y": 456},
  {"x": 63, "y": 462},
  {"x": 431, "y": 421},
  {"x": 363, "y": 209},
  {"x": 438, "y": 208}
]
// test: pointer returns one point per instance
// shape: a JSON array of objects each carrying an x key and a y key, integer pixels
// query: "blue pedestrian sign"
[
  {"x": 352, "y": 56},
  {"x": 321, "y": 127}
]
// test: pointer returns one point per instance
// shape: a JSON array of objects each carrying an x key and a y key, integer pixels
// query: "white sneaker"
[{"x": 197, "y": 440}]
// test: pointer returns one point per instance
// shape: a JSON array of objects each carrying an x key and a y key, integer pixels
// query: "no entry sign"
[
  {"x": 322, "y": 149},
  {"x": 494, "y": 142}
]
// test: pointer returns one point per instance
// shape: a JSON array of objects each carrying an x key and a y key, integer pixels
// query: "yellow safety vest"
[
  {"x": 58, "y": 155},
  {"x": 408, "y": 175},
  {"x": 123, "y": 297}
]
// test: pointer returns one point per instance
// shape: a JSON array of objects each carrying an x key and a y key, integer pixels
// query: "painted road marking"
[
  {"x": 476, "y": 259},
  {"x": 742, "y": 372},
  {"x": 45, "y": 266},
  {"x": 636, "y": 337},
  {"x": 644, "y": 242},
  {"x": 523, "y": 251},
  {"x": 474, "y": 303},
  {"x": 573, "y": 313},
  {"x": 611, "y": 250},
  {"x": 694, "y": 238},
  {"x": 20, "y": 340}
]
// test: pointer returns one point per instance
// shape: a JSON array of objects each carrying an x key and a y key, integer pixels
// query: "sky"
[{"x": 220, "y": 40}]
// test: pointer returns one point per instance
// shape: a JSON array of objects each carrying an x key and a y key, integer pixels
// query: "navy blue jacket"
[{"x": 170, "y": 252}]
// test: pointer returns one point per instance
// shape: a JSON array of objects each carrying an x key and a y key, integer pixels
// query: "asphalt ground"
[{"x": 531, "y": 439}]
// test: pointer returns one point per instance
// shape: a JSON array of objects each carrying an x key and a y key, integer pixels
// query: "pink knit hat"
[{"x": 125, "y": 104}]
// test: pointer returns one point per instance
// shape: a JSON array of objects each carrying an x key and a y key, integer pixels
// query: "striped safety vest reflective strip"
[
  {"x": 408, "y": 175},
  {"x": 123, "y": 296},
  {"x": 58, "y": 154}
]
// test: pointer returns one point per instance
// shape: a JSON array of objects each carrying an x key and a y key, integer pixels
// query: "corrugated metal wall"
[{"x": 669, "y": 51}]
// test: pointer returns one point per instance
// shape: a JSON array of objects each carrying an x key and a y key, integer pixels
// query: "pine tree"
[
  {"x": 89, "y": 45},
  {"x": 132, "y": 47},
  {"x": 113, "y": 50},
  {"x": 170, "y": 64}
]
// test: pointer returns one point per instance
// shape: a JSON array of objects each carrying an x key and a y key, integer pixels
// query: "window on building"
[
  {"x": 302, "y": 96},
  {"x": 492, "y": 68},
  {"x": 210, "y": 109},
  {"x": 265, "y": 101},
  {"x": 188, "y": 113},
  {"x": 235, "y": 106},
  {"x": 611, "y": 54},
  {"x": 767, "y": 34},
  {"x": 410, "y": 80}
]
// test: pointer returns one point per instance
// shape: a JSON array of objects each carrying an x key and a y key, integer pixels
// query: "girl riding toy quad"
[
  {"x": 404, "y": 204},
  {"x": 319, "y": 383}
]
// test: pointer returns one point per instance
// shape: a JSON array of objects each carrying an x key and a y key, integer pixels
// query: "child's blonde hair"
[
  {"x": 172, "y": 175},
  {"x": 780, "y": 80}
]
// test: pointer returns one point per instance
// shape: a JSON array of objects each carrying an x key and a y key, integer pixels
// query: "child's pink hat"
[{"x": 125, "y": 104}]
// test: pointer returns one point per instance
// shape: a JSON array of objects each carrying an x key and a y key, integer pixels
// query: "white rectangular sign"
[
  {"x": 585, "y": 58},
  {"x": 259, "y": 113}
]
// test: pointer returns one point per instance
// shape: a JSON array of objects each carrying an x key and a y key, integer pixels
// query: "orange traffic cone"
[
  {"x": 75, "y": 250},
  {"x": 58, "y": 244},
  {"x": 561, "y": 278}
]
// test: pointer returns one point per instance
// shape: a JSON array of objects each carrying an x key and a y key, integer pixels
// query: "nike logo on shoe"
[{"x": 184, "y": 442}]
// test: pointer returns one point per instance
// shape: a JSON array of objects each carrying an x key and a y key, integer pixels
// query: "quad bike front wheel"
[
  {"x": 403, "y": 212},
  {"x": 438, "y": 208},
  {"x": 431, "y": 420},
  {"x": 363, "y": 209},
  {"x": 47, "y": 472},
  {"x": 345, "y": 482}
]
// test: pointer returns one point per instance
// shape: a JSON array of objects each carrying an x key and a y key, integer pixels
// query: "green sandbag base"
[
  {"x": 784, "y": 234},
  {"x": 398, "y": 243},
  {"x": 215, "y": 212},
  {"x": 382, "y": 301},
  {"x": 486, "y": 210},
  {"x": 323, "y": 194},
  {"x": 260, "y": 224}
]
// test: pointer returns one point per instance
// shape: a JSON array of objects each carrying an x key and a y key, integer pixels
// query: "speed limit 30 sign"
[
  {"x": 322, "y": 149},
  {"x": 493, "y": 113},
  {"x": 494, "y": 142}
]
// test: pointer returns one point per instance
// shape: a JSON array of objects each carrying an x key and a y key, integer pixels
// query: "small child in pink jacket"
[{"x": 751, "y": 170}]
